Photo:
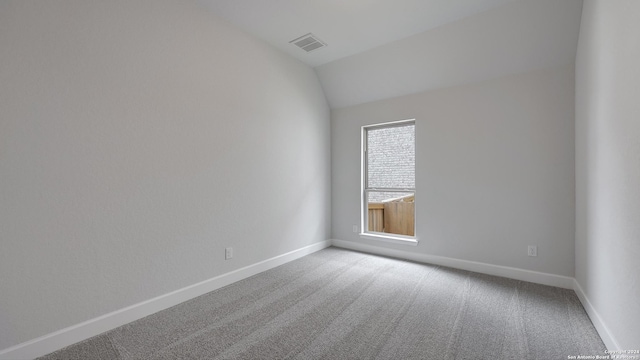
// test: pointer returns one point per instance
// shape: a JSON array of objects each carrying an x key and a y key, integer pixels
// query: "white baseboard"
[
  {"x": 606, "y": 336},
  {"x": 73, "y": 334},
  {"x": 490, "y": 269}
]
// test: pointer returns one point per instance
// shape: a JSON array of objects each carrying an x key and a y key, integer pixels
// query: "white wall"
[
  {"x": 608, "y": 167},
  {"x": 137, "y": 140},
  {"x": 494, "y": 170}
]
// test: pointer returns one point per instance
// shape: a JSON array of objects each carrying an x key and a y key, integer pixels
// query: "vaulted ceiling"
[{"x": 379, "y": 49}]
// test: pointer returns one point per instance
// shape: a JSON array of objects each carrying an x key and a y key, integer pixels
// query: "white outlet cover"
[{"x": 532, "y": 250}]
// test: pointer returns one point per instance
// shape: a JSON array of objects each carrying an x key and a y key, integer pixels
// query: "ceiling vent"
[{"x": 308, "y": 42}]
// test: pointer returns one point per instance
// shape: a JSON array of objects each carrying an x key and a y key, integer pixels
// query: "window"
[{"x": 388, "y": 180}]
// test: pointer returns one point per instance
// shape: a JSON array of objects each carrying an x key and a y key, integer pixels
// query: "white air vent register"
[{"x": 308, "y": 42}]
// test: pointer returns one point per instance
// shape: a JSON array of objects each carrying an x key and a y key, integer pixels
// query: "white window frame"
[{"x": 364, "y": 211}]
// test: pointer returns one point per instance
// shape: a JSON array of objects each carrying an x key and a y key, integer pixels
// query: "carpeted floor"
[{"x": 340, "y": 304}]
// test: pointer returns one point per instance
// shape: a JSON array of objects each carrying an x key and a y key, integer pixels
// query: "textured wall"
[
  {"x": 137, "y": 140},
  {"x": 608, "y": 165},
  {"x": 494, "y": 169}
]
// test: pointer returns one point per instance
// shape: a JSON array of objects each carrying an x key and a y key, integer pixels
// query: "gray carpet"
[{"x": 339, "y": 304}]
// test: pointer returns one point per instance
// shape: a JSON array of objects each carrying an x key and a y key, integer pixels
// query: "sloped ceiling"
[
  {"x": 348, "y": 26},
  {"x": 379, "y": 49}
]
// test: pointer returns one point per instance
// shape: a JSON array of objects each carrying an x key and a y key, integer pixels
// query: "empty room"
[{"x": 321, "y": 179}]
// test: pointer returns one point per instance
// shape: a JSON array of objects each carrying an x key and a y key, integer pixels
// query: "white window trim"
[
  {"x": 364, "y": 213},
  {"x": 396, "y": 239}
]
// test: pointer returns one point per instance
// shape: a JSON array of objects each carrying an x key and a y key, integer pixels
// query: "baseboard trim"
[
  {"x": 489, "y": 269},
  {"x": 606, "y": 335},
  {"x": 73, "y": 334}
]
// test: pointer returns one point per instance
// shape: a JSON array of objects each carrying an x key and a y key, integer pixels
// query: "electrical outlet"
[
  {"x": 355, "y": 228},
  {"x": 228, "y": 253},
  {"x": 532, "y": 250}
]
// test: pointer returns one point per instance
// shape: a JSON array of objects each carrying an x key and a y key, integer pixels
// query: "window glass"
[
  {"x": 389, "y": 179},
  {"x": 391, "y": 160}
]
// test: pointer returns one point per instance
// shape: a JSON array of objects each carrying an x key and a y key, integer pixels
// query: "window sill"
[{"x": 398, "y": 239}]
